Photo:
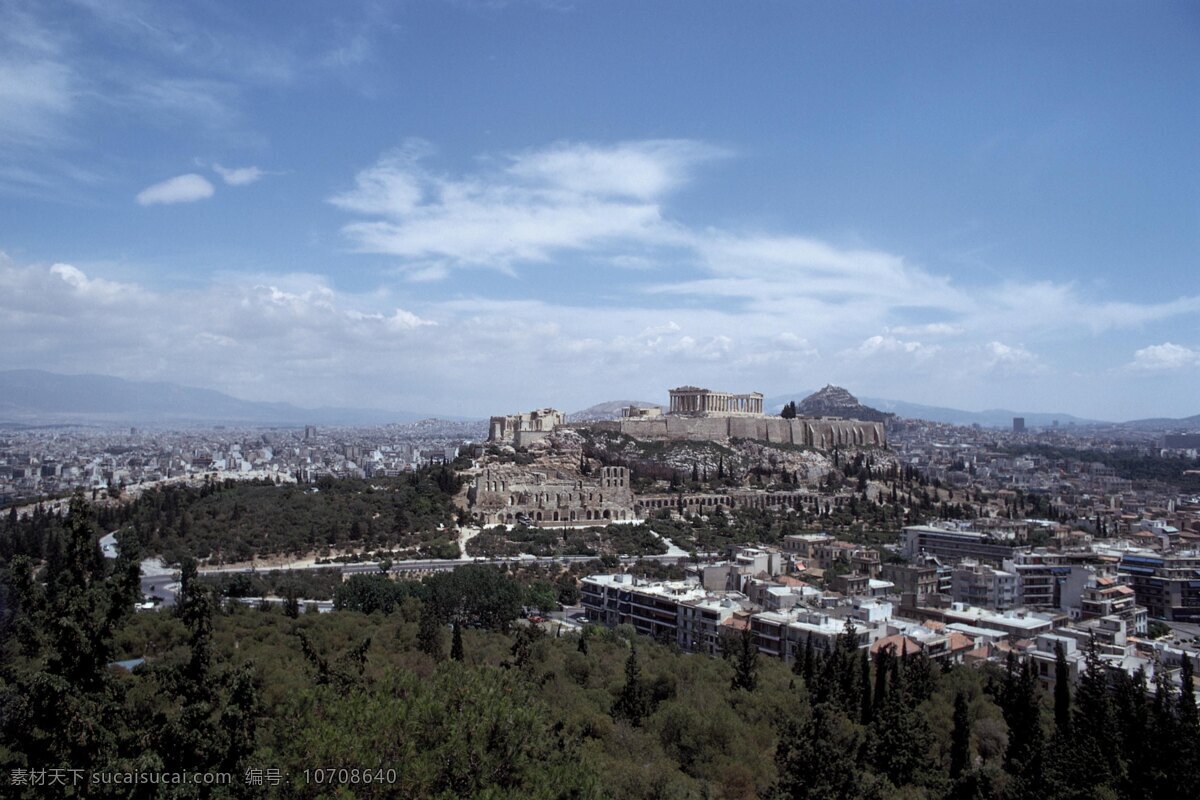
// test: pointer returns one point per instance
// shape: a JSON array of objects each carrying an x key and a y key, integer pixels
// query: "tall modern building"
[{"x": 1018, "y": 424}]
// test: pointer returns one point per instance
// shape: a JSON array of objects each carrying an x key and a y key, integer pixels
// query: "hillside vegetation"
[{"x": 439, "y": 692}]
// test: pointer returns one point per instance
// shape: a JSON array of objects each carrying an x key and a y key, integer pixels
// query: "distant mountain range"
[
  {"x": 30, "y": 396},
  {"x": 606, "y": 411},
  {"x": 989, "y": 418},
  {"x": 33, "y": 396},
  {"x": 1159, "y": 423}
]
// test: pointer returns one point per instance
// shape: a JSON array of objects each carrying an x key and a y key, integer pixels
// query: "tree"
[
  {"x": 1062, "y": 692},
  {"x": 429, "y": 633},
  {"x": 291, "y": 601},
  {"x": 789, "y": 410},
  {"x": 960, "y": 739},
  {"x": 1022, "y": 712},
  {"x": 456, "y": 643},
  {"x": 817, "y": 759},
  {"x": 66, "y": 708},
  {"x": 632, "y": 704},
  {"x": 745, "y": 667}
]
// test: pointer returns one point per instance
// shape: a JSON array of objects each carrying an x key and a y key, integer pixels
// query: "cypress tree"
[
  {"x": 810, "y": 663},
  {"x": 583, "y": 641},
  {"x": 960, "y": 738},
  {"x": 631, "y": 703},
  {"x": 1092, "y": 725},
  {"x": 866, "y": 710},
  {"x": 1062, "y": 692},
  {"x": 456, "y": 643},
  {"x": 1163, "y": 734},
  {"x": 1186, "y": 771},
  {"x": 1131, "y": 712},
  {"x": 429, "y": 633},
  {"x": 745, "y": 674},
  {"x": 883, "y": 658},
  {"x": 1187, "y": 698}
]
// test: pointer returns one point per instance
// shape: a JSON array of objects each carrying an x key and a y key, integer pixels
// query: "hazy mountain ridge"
[
  {"x": 31, "y": 395},
  {"x": 991, "y": 418},
  {"x": 610, "y": 409}
]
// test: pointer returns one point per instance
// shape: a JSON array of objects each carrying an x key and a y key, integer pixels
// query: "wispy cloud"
[
  {"x": 180, "y": 189},
  {"x": 238, "y": 176},
  {"x": 529, "y": 208}
]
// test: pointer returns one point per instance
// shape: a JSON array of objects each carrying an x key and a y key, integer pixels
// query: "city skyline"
[{"x": 492, "y": 207}]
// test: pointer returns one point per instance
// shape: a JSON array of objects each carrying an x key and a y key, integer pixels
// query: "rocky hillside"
[
  {"x": 834, "y": 401},
  {"x": 736, "y": 460}
]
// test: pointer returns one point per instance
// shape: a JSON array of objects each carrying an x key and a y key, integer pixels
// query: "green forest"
[
  {"x": 503, "y": 541},
  {"x": 233, "y": 521},
  {"x": 437, "y": 689}
]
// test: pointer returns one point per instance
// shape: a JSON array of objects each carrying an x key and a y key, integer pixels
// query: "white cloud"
[
  {"x": 426, "y": 274},
  {"x": 180, "y": 189},
  {"x": 391, "y": 187},
  {"x": 569, "y": 197},
  {"x": 238, "y": 176},
  {"x": 928, "y": 329},
  {"x": 794, "y": 344},
  {"x": 643, "y": 170},
  {"x": 1165, "y": 357},
  {"x": 264, "y": 336},
  {"x": 891, "y": 346},
  {"x": 1007, "y": 358}
]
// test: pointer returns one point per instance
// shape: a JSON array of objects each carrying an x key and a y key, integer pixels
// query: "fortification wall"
[{"x": 820, "y": 433}]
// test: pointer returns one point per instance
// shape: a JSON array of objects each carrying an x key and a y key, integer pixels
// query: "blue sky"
[{"x": 484, "y": 207}]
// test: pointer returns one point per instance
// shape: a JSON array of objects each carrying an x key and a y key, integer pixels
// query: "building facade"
[
  {"x": 510, "y": 494},
  {"x": 520, "y": 430}
]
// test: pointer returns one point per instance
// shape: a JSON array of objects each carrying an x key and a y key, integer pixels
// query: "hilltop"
[{"x": 834, "y": 401}]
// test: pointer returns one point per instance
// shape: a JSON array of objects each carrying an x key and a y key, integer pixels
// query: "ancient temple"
[{"x": 693, "y": 401}]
